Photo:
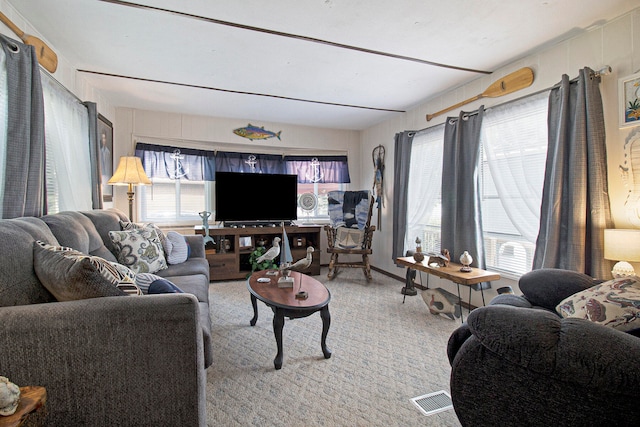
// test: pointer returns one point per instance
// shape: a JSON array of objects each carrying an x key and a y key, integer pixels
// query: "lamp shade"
[
  {"x": 622, "y": 245},
  {"x": 129, "y": 171}
]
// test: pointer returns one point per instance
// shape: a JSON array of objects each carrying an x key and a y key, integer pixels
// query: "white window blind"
[
  {"x": 514, "y": 149},
  {"x": 68, "y": 166},
  {"x": 424, "y": 191}
]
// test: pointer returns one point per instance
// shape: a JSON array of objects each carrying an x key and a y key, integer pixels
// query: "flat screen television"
[{"x": 255, "y": 197}]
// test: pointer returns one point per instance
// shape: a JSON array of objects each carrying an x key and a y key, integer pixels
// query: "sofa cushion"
[
  {"x": 19, "y": 284},
  {"x": 105, "y": 221},
  {"x": 176, "y": 248},
  {"x": 75, "y": 230},
  {"x": 546, "y": 287},
  {"x": 71, "y": 278},
  {"x": 615, "y": 303},
  {"x": 139, "y": 249}
]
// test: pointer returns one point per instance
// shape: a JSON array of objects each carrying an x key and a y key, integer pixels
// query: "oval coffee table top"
[{"x": 271, "y": 294}]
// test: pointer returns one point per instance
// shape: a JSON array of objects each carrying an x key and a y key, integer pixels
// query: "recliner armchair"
[{"x": 516, "y": 362}]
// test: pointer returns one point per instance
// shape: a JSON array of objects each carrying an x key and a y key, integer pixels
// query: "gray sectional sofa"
[{"x": 118, "y": 360}]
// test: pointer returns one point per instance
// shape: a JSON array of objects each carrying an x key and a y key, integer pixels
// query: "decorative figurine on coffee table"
[{"x": 465, "y": 260}]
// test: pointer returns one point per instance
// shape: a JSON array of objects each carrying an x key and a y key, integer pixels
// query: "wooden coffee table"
[{"x": 283, "y": 302}]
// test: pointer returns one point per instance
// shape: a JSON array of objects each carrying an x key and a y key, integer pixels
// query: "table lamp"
[
  {"x": 622, "y": 245},
  {"x": 130, "y": 172}
]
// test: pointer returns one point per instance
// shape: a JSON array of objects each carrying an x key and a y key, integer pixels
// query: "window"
[
  {"x": 514, "y": 152},
  {"x": 183, "y": 179},
  {"x": 321, "y": 191},
  {"x": 175, "y": 201},
  {"x": 425, "y": 176},
  {"x": 68, "y": 166},
  {"x": 513, "y": 148}
]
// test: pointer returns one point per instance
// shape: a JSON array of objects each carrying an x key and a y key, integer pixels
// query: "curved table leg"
[
  {"x": 278, "y": 324},
  {"x": 254, "y": 303},
  {"x": 326, "y": 322}
]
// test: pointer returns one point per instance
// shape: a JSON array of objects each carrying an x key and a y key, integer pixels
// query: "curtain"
[
  {"x": 161, "y": 161},
  {"x": 461, "y": 214},
  {"x": 250, "y": 163},
  {"x": 575, "y": 199},
  {"x": 94, "y": 153},
  {"x": 68, "y": 164},
  {"x": 401, "y": 162},
  {"x": 423, "y": 202},
  {"x": 516, "y": 165},
  {"x": 318, "y": 169},
  {"x": 24, "y": 167}
]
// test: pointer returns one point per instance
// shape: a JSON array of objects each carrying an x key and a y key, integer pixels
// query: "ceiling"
[{"x": 343, "y": 64}]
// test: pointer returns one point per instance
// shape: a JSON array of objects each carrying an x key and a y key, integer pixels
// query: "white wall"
[
  {"x": 210, "y": 133},
  {"x": 616, "y": 43}
]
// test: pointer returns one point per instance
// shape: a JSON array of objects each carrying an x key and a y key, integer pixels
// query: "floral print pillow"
[
  {"x": 139, "y": 249},
  {"x": 615, "y": 303}
]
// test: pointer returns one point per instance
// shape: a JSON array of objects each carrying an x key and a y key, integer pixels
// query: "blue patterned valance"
[{"x": 161, "y": 161}]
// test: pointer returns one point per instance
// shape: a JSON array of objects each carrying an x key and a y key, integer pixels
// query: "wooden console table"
[
  {"x": 452, "y": 272},
  {"x": 229, "y": 257}
]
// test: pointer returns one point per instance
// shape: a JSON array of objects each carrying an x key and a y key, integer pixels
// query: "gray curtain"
[
  {"x": 575, "y": 199},
  {"x": 461, "y": 228},
  {"x": 94, "y": 156},
  {"x": 25, "y": 160},
  {"x": 402, "y": 157}
]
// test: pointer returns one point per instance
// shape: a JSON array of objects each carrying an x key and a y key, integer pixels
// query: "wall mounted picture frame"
[
  {"x": 629, "y": 100},
  {"x": 105, "y": 148}
]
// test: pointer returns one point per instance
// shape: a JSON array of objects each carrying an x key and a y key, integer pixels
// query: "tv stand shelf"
[{"x": 229, "y": 257}]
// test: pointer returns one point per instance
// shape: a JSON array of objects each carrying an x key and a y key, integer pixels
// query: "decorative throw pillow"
[
  {"x": 126, "y": 226},
  {"x": 176, "y": 248},
  {"x": 112, "y": 271},
  {"x": 349, "y": 238},
  {"x": 70, "y": 278},
  {"x": 163, "y": 286},
  {"x": 139, "y": 249},
  {"x": 615, "y": 303},
  {"x": 144, "y": 280}
]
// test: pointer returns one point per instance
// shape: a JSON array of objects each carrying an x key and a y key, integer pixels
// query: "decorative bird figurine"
[
  {"x": 272, "y": 253},
  {"x": 303, "y": 263}
]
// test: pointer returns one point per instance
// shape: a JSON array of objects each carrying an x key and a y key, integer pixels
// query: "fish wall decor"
[{"x": 254, "y": 132}]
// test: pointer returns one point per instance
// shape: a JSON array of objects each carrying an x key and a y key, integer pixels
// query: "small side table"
[{"x": 32, "y": 410}]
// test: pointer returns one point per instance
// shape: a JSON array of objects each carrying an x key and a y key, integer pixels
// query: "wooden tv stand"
[{"x": 229, "y": 257}]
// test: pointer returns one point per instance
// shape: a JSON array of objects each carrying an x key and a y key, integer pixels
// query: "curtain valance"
[{"x": 161, "y": 161}]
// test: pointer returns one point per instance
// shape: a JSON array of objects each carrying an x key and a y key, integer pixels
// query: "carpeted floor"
[{"x": 384, "y": 353}]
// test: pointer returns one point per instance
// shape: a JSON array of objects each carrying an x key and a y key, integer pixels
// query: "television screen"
[{"x": 255, "y": 197}]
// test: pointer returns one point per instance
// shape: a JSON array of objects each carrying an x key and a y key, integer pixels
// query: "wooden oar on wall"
[
  {"x": 508, "y": 84},
  {"x": 46, "y": 56}
]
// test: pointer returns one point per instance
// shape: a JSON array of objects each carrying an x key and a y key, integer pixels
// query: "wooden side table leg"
[{"x": 278, "y": 324}]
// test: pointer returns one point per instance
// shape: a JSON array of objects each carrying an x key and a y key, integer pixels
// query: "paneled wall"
[{"x": 616, "y": 43}]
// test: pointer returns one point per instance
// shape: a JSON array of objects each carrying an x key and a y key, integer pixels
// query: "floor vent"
[{"x": 433, "y": 403}]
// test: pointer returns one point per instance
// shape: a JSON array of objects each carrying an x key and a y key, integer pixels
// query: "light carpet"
[{"x": 385, "y": 352}]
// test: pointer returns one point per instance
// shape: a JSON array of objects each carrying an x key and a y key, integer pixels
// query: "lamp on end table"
[
  {"x": 130, "y": 172},
  {"x": 622, "y": 245}
]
